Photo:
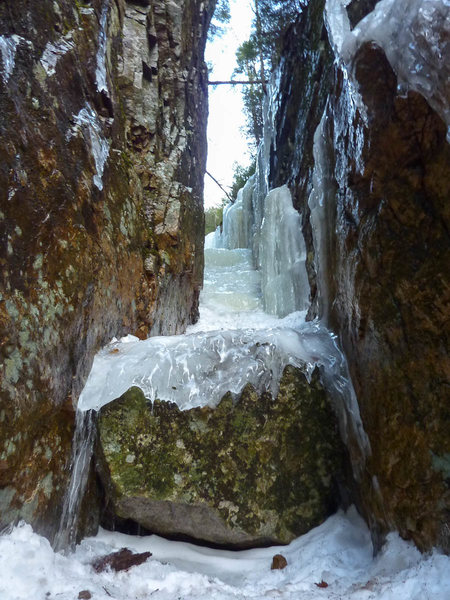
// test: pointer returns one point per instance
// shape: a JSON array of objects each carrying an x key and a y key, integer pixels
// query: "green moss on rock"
[{"x": 260, "y": 470}]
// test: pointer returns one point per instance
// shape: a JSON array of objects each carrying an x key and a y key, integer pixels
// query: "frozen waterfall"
[
  {"x": 280, "y": 247},
  {"x": 236, "y": 340}
]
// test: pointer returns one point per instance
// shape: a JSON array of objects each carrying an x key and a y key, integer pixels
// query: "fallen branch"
[{"x": 239, "y": 82}]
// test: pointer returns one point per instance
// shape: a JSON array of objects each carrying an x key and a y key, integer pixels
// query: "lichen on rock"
[
  {"x": 103, "y": 118},
  {"x": 252, "y": 471}
]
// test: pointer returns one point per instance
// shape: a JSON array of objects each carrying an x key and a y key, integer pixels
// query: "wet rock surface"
[
  {"x": 304, "y": 87},
  {"x": 392, "y": 223},
  {"x": 382, "y": 280},
  {"x": 102, "y": 152},
  {"x": 253, "y": 472}
]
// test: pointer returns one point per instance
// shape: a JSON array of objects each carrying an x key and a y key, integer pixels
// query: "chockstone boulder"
[{"x": 255, "y": 470}]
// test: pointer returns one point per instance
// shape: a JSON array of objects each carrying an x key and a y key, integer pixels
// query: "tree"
[
  {"x": 272, "y": 17},
  {"x": 240, "y": 176},
  {"x": 247, "y": 59},
  {"x": 220, "y": 17},
  {"x": 260, "y": 53},
  {"x": 213, "y": 218}
]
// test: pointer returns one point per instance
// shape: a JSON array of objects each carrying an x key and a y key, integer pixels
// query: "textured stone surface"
[
  {"x": 259, "y": 471},
  {"x": 358, "y": 9},
  {"x": 391, "y": 298},
  {"x": 303, "y": 91},
  {"x": 90, "y": 248},
  {"x": 386, "y": 286}
]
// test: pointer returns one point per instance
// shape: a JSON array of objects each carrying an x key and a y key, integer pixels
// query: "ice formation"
[
  {"x": 318, "y": 205},
  {"x": 8, "y": 49},
  {"x": 82, "y": 449},
  {"x": 270, "y": 228},
  {"x": 100, "y": 72},
  {"x": 53, "y": 52},
  {"x": 237, "y": 220},
  {"x": 282, "y": 256},
  {"x": 87, "y": 119},
  {"x": 231, "y": 283},
  {"x": 193, "y": 370},
  {"x": 199, "y": 368},
  {"x": 414, "y": 34}
]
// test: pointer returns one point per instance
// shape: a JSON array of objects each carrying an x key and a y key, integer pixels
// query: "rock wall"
[
  {"x": 103, "y": 110},
  {"x": 371, "y": 181},
  {"x": 389, "y": 277}
]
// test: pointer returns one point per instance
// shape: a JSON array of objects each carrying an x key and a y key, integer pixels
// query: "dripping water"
[{"x": 82, "y": 449}]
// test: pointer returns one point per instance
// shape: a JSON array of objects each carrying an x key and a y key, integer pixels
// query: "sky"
[{"x": 226, "y": 143}]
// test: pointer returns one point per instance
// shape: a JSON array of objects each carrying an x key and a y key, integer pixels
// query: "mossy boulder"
[{"x": 253, "y": 471}]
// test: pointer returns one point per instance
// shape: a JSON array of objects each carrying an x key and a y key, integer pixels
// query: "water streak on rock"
[
  {"x": 100, "y": 72},
  {"x": 90, "y": 125},
  {"x": 82, "y": 448}
]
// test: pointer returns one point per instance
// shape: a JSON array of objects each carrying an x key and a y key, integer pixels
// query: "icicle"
[{"x": 100, "y": 72}]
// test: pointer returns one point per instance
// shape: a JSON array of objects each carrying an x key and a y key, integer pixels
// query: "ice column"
[
  {"x": 237, "y": 219},
  {"x": 82, "y": 448},
  {"x": 282, "y": 256}
]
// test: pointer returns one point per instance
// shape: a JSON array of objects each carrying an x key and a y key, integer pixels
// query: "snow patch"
[{"x": 338, "y": 552}]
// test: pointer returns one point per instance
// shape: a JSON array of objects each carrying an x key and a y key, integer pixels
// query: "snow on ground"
[{"x": 339, "y": 552}]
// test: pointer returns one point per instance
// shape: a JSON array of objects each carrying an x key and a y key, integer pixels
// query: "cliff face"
[
  {"x": 103, "y": 111},
  {"x": 390, "y": 305},
  {"x": 371, "y": 182}
]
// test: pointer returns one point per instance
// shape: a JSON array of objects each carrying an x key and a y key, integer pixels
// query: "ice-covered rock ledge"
[
  {"x": 199, "y": 369},
  {"x": 414, "y": 36},
  {"x": 227, "y": 436}
]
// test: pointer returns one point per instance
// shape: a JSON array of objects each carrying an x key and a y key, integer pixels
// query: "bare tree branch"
[{"x": 221, "y": 187}]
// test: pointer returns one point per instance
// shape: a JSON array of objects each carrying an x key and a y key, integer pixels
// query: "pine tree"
[{"x": 259, "y": 54}]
